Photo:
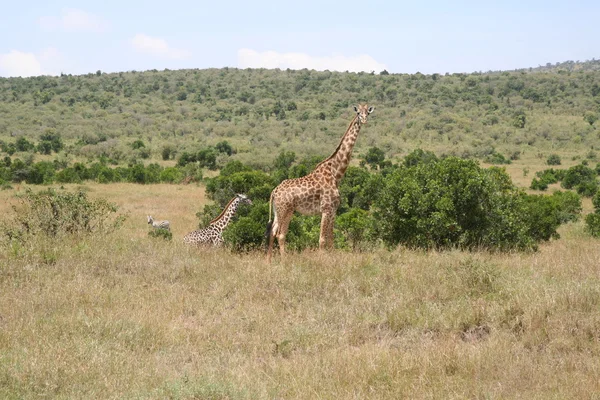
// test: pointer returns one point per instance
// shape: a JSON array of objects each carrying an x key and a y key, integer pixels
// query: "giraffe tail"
[{"x": 270, "y": 223}]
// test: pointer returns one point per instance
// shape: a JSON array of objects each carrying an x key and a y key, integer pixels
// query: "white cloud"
[
  {"x": 248, "y": 58},
  {"x": 19, "y": 63},
  {"x": 73, "y": 20},
  {"x": 157, "y": 47}
]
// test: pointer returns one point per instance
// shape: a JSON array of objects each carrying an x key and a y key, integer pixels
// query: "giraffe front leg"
[{"x": 326, "y": 236}]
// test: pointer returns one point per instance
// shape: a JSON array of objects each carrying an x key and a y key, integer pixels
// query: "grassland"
[{"x": 128, "y": 316}]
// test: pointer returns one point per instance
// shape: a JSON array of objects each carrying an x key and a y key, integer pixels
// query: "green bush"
[
  {"x": 496, "y": 158},
  {"x": 587, "y": 188},
  {"x": 160, "y": 233},
  {"x": 245, "y": 234},
  {"x": 553, "y": 159},
  {"x": 452, "y": 203},
  {"x": 538, "y": 184},
  {"x": 546, "y": 213},
  {"x": 56, "y": 214},
  {"x": 592, "y": 224},
  {"x": 577, "y": 175},
  {"x": 356, "y": 227}
]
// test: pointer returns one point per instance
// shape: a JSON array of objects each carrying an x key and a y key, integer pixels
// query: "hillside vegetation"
[{"x": 261, "y": 112}]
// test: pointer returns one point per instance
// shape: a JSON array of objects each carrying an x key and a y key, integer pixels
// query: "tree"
[
  {"x": 22, "y": 144},
  {"x": 590, "y": 117},
  {"x": 452, "y": 203},
  {"x": 375, "y": 157},
  {"x": 224, "y": 147},
  {"x": 553, "y": 159}
]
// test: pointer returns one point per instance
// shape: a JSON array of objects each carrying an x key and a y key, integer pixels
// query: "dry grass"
[
  {"x": 176, "y": 203},
  {"x": 128, "y": 316}
]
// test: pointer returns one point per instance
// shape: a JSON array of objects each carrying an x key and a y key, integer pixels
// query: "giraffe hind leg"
[{"x": 272, "y": 229}]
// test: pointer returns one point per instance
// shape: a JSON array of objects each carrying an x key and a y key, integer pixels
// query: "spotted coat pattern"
[
  {"x": 316, "y": 192},
  {"x": 213, "y": 233}
]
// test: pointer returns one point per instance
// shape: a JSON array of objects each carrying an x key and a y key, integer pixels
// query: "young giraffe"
[
  {"x": 316, "y": 192},
  {"x": 213, "y": 233}
]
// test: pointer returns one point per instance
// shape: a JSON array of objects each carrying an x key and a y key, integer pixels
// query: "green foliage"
[
  {"x": 255, "y": 184},
  {"x": 553, "y": 159},
  {"x": 161, "y": 233},
  {"x": 419, "y": 156},
  {"x": 56, "y": 214},
  {"x": 592, "y": 224},
  {"x": 547, "y": 177},
  {"x": 582, "y": 178},
  {"x": 590, "y": 117},
  {"x": 168, "y": 152},
  {"x": 356, "y": 226},
  {"x": 452, "y": 203},
  {"x": 224, "y": 147},
  {"x": 538, "y": 184},
  {"x": 546, "y": 213},
  {"x": 375, "y": 157},
  {"x": 592, "y": 220},
  {"x": 137, "y": 144},
  {"x": 496, "y": 158},
  {"x": 22, "y": 144},
  {"x": 248, "y": 231}
]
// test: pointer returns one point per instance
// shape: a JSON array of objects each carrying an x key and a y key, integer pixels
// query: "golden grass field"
[{"x": 126, "y": 316}]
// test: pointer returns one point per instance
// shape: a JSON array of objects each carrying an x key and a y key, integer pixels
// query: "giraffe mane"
[
  {"x": 223, "y": 212},
  {"x": 340, "y": 144}
]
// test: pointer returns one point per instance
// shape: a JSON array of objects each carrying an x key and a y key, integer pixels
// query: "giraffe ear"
[
  {"x": 355, "y": 109},
  {"x": 370, "y": 110}
]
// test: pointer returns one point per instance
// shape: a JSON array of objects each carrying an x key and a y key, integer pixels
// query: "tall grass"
[{"x": 118, "y": 316}]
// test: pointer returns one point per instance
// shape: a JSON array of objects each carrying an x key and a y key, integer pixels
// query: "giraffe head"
[
  {"x": 150, "y": 219},
  {"x": 363, "y": 111},
  {"x": 244, "y": 199}
]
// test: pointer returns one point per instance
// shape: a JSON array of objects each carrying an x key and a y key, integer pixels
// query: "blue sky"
[{"x": 50, "y": 37}]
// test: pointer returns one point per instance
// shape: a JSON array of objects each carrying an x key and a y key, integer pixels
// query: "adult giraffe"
[{"x": 316, "y": 192}]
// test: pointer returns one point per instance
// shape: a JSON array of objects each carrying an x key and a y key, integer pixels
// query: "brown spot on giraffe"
[{"x": 316, "y": 192}]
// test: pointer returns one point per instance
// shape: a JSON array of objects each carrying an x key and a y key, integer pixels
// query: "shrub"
[
  {"x": 355, "y": 226},
  {"x": 57, "y": 214},
  {"x": 538, "y": 184},
  {"x": 551, "y": 175},
  {"x": 592, "y": 224},
  {"x": 245, "y": 234},
  {"x": 553, "y": 159},
  {"x": 452, "y": 203},
  {"x": 577, "y": 175},
  {"x": 224, "y": 147},
  {"x": 496, "y": 158},
  {"x": 171, "y": 175},
  {"x": 587, "y": 188},
  {"x": 161, "y": 233},
  {"x": 374, "y": 157}
]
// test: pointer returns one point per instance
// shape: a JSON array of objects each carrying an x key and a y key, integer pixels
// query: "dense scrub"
[
  {"x": 423, "y": 202},
  {"x": 495, "y": 115}
]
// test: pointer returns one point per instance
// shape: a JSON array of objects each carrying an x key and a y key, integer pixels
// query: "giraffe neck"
[
  {"x": 340, "y": 158},
  {"x": 223, "y": 220}
]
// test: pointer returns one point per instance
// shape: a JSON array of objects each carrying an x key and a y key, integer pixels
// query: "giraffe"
[
  {"x": 316, "y": 192},
  {"x": 213, "y": 233}
]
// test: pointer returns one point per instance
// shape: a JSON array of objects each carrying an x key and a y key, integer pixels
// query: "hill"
[{"x": 261, "y": 112}]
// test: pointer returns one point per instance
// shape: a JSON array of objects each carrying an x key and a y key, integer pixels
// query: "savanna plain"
[{"x": 124, "y": 315}]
